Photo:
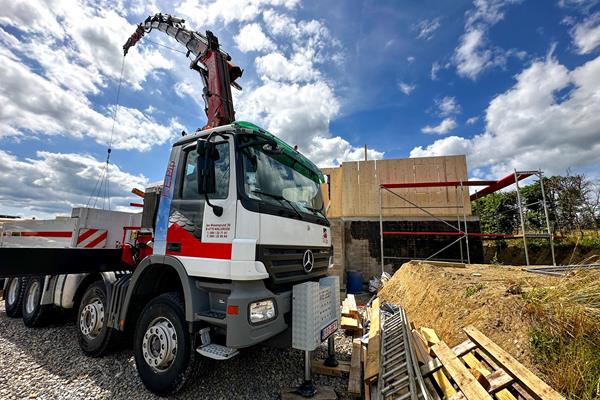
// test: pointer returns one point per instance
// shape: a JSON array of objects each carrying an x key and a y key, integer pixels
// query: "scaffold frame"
[{"x": 461, "y": 228}]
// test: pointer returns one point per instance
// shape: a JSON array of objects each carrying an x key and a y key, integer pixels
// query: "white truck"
[{"x": 237, "y": 229}]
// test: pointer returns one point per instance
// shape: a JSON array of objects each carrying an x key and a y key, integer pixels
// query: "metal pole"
[
  {"x": 522, "y": 217},
  {"x": 462, "y": 258},
  {"x": 331, "y": 361},
  {"x": 550, "y": 234},
  {"x": 466, "y": 232},
  {"x": 381, "y": 227},
  {"x": 307, "y": 389}
]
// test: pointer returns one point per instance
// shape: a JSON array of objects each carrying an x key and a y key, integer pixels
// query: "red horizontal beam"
[
  {"x": 64, "y": 234},
  {"x": 436, "y": 184},
  {"x": 425, "y": 233},
  {"x": 136, "y": 205},
  {"x": 500, "y": 184}
]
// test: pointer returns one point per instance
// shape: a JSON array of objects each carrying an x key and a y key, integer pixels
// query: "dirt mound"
[{"x": 490, "y": 297}]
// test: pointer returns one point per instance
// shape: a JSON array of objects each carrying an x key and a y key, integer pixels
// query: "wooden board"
[
  {"x": 373, "y": 347},
  {"x": 323, "y": 393},
  {"x": 318, "y": 367},
  {"x": 349, "y": 323},
  {"x": 349, "y": 308},
  {"x": 467, "y": 383},
  {"x": 431, "y": 338},
  {"x": 355, "y": 381},
  {"x": 512, "y": 366},
  {"x": 477, "y": 365}
]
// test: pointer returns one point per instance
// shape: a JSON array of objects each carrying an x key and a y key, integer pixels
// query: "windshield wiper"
[
  {"x": 281, "y": 199},
  {"x": 314, "y": 210}
]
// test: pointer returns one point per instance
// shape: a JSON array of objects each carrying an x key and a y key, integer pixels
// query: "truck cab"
[{"x": 261, "y": 229}]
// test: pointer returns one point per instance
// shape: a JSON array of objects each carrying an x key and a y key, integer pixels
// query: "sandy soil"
[{"x": 490, "y": 297}]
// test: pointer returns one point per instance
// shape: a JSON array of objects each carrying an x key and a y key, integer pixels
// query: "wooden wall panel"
[{"x": 354, "y": 187}]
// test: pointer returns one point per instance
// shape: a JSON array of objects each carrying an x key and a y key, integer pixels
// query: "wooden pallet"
[{"x": 476, "y": 369}]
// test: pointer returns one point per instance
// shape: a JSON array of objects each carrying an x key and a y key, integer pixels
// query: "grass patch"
[
  {"x": 473, "y": 289},
  {"x": 565, "y": 334}
]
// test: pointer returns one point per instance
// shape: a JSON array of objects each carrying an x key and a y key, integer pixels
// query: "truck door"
[{"x": 194, "y": 230}]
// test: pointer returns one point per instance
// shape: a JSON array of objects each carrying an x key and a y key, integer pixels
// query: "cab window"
[{"x": 189, "y": 188}]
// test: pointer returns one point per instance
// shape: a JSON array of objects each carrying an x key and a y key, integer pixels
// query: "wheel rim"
[
  {"x": 12, "y": 291},
  {"x": 91, "y": 319},
  {"x": 32, "y": 297},
  {"x": 159, "y": 345}
]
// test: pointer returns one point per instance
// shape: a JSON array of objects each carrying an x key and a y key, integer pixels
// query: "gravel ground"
[{"x": 47, "y": 363}]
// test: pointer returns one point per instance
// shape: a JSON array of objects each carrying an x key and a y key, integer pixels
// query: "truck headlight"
[{"x": 262, "y": 311}]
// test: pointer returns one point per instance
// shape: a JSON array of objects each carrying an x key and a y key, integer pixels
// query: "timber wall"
[
  {"x": 353, "y": 189},
  {"x": 352, "y": 195}
]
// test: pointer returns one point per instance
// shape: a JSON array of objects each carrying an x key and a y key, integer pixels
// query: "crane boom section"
[{"x": 213, "y": 64}]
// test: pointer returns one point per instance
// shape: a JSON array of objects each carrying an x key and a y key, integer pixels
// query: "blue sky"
[{"x": 509, "y": 83}]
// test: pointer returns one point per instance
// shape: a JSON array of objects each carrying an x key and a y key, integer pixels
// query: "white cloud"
[
  {"x": 53, "y": 183},
  {"x": 442, "y": 128},
  {"x": 252, "y": 38},
  {"x": 472, "y": 56},
  {"x": 65, "y": 54},
  {"x": 535, "y": 124},
  {"x": 406, "y": 88},
  {"x": 276, "y": 66},
  {"x": 586, "y": 35},
  {"x": 292, "y": 98},
  {"x": 435, "y": 68},
  {"x": 410, "y": 59},
  {"x": 427, "y": 28},
  {"x": 335, "y": 150},
  {"x": 207, "y": 13},
  {"x": 472, "y": 120},
  {"x": 447, "y": 106},
  {"x": 32, "y": 103},
  {"x": 184, "y": 88}
]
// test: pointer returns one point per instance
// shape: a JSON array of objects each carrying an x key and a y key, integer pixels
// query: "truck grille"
[{"x": 284, "y": 263}]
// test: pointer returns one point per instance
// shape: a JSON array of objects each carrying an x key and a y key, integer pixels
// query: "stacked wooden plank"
[
  {"x": 351, "y": 319},
  {"x": 372, "y": 351},
  {"x": 475, "y": 369}
]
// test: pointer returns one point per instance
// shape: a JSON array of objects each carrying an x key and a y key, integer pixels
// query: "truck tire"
[
  {"x": 34, "y": 313},
  {"x": 162, "y": 345},
  {"x": 13, "y": 297},
  {"x": 95, "y": 338}
]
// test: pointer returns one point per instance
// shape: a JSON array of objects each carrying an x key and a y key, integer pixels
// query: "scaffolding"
[{"x": 460, "y": 230}]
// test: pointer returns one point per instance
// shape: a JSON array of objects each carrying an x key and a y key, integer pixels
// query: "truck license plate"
[{"x": 328, "y": 330}]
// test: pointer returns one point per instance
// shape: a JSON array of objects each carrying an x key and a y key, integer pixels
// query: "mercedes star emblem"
[{"x": 308, "y": 261}]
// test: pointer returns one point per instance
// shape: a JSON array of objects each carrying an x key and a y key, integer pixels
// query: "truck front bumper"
[{"x": 240, "y": 331}]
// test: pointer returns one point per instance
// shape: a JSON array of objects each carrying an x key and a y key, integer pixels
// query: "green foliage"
[
  {"x": 498, "y": 212},
  {"x": 573, "y": 204},
  {"x": 473, "y": 289}
]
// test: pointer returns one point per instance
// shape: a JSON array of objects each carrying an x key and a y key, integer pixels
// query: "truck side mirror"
[
  {"x": 205, "y": 170},
  {"x": 205, "y": 167}
]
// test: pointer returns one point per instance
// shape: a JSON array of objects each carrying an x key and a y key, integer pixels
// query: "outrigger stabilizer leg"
[{"x": 307, "y": 389}]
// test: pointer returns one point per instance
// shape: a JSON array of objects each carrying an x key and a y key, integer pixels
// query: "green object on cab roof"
[{"x": 289, "y": 156}]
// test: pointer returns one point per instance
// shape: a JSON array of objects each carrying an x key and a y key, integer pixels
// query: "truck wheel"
[
  {"x": 34, "y": 313},
  {"x": 13, "y": 297},
  {"x": 95, "y": 338},
  {"x": 162, "y": 345}
]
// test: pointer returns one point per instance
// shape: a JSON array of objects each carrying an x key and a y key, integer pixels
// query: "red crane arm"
[{"x": 214, "y": 65}]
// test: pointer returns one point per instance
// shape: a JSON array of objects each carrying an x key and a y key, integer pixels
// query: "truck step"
[{"x": 217, "y": 352}]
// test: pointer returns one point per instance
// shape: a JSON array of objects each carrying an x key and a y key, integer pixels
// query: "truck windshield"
[{"x": 268, "y": 179}]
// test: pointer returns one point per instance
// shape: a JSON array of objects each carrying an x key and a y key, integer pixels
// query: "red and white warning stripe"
[{"x": 92, "y": 238}]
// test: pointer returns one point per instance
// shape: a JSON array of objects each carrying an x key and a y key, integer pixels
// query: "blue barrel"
[{"x": 354, "y": 282}]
